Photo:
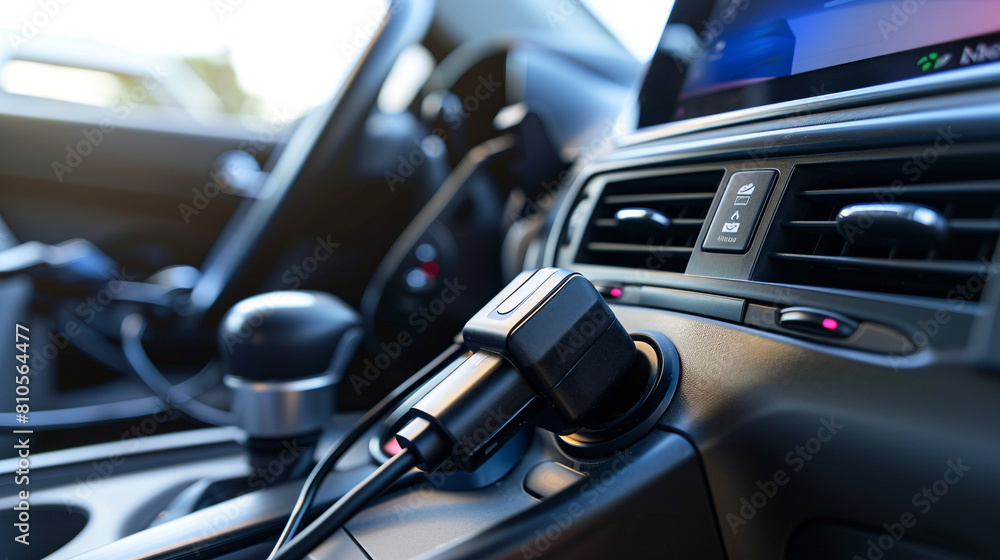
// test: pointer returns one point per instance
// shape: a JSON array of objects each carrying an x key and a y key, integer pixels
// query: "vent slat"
[
  {"x": 611, "y": 222},
  {"x": 806, "y": 247},
  {"x": 599, "y": 247},
  {"x": 966, "y": 225},
  {"x": 925, "y": 266},
  {"x": 975, "y": 226},
  {"x": 906, "y": 191},
  {"x": 671, "y": 197},
  {"x": 688, "y": 222},
  {"x": 683, "y": 199},
  {"x": 819, "y": 226}
]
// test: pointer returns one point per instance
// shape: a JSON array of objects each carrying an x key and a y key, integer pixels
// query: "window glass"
[
  {"x": 637, "y": 24},
  {"x": 259, "y": 58}
]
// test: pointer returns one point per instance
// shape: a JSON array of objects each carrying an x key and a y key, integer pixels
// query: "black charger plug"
[{"x": 548, "y": 350}]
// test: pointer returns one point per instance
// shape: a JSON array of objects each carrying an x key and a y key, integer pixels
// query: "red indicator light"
[
  {"x": 615, "y": 292},
  {"x": 430, "y": 268},
  {"x": 391, "y": 447},
  {"x": 829, "y": 323}
]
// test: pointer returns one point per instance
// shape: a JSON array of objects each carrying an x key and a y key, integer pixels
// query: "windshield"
[
  {"x": 637, "y": 24},
  {"x": 259, "y": 59}
]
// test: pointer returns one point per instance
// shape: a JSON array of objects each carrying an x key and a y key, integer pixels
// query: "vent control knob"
[
  {"x": 891, "y": 224},
  {"x": 642, "y": 219}
]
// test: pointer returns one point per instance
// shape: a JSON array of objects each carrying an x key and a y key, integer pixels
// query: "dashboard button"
[
  {"x": 548, "y": 478},
  {"x": 817, "y": 321},
  {"x": 737, "y": 215}
]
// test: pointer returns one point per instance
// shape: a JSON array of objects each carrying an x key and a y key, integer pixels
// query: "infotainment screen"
[{"x": 755, "y": 52}]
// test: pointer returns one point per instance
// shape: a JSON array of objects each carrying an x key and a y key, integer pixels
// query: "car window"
[
  {"x": 637, "y": 24},
  {"x": 253, "y": 58}
]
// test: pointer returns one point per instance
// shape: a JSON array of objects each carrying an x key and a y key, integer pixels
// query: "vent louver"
[
  {"x": 658, "y": 217},
  {"x": 876, "y": 251}
]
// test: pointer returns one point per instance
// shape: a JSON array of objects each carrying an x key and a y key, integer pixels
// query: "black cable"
[
  {"x": 442, "y": 199},
  {"x": 88, "y": 415},
  {"x": 81, "y": 416},
  {"x": 94, "y": 414},
  {"x": 132, "y": 329},
  {"x": 329, "y": 460},
  {"x": 461, "y": 420},
  {"x": 345, "y": 508}
]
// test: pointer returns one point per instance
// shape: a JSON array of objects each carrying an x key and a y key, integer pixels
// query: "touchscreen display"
[{"x": 753, "y": 52}]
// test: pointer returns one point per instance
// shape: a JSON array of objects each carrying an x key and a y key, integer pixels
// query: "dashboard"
[
  {"x": 800, "y": 230},
  {"x": 752, "y": 218}
]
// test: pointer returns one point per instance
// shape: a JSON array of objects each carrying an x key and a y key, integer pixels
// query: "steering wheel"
[{"x": 249, "y": 242}]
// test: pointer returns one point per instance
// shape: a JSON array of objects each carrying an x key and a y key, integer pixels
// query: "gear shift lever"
[{"x": 284, "y": 353}]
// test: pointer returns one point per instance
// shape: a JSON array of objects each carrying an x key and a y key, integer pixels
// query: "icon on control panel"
[{"x": 736, "y": 218}]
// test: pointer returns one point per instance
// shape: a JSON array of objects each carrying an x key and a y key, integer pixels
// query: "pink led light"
[
  {"x": 829, "y": 323},
  {"x": 392, "y": 447},
  {"x": 616, "y": 292}
]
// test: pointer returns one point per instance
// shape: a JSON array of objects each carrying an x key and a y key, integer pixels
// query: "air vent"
[
  {"x": 658, "y": 217},
  {"x": 909, "y": 226}
]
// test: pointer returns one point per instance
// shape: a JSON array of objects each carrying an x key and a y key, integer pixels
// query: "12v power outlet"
[{"x": 641, "y": 398}]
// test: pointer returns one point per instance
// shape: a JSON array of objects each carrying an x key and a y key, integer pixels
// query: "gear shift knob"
[{"x": 284, "y": 353}]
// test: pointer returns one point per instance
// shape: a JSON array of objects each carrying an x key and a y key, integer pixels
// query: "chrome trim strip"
[{"x": 965, "y": 78}]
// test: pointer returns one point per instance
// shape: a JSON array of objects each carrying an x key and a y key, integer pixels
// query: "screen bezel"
[{"x": 660, "y": 93}]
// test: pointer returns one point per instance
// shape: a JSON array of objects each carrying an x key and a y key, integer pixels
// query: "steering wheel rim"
[{"x": 306, "y": 158}]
